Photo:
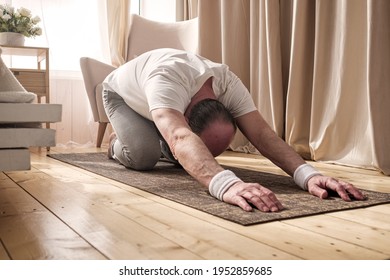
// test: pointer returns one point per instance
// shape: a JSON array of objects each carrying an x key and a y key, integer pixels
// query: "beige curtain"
[
  {"x": 118, "y": 15},
  {"x": 317, "y": 70},
  {"x": 224, "y": 36},
  {"x": 189, "y": 9}
]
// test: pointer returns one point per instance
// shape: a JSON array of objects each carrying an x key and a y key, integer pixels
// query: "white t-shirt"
[{"x": 169, "y": 78}]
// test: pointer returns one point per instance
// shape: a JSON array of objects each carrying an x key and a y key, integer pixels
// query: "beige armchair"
[{"x": 144, "y": 35}]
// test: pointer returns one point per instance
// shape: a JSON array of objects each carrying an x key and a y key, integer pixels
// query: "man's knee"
[{"x": 143, "y": 159}]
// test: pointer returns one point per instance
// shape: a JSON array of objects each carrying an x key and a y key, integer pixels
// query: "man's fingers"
[
  {"x": 252, "y": 195},
  {"x": 338, "y": 188},
  {"x": 264, "y": 201},
  {"x": 319, "y": 192},
  {"x": 241, "y": 202},
  {"x": 258, "y": 203},
  {"x": 352, "y": 192},
  {"x": 278, "y": 204},
  {"x": 346, "y": 191}
]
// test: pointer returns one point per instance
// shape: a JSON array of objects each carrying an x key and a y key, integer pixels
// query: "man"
[{"x": 187, "y": 107}]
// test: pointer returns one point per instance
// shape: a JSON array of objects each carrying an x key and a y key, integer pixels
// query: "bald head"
[
  {"x": 214, "y": 124},
  {"x": 217, "y": 136}
]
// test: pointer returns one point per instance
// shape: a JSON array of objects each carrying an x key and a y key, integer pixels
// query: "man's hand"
[
  {"x": 321, "y": 185},
  {"x": 246, "y": 194}
]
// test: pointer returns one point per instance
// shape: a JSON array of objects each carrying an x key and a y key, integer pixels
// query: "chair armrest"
[{"x": 94, "y": 72}]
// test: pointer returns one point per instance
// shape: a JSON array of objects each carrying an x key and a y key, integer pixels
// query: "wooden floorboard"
[
  {"x": 28, "y": 230},
  {"x": 116, "y": 236},
  {"x": 3, "y": 252},
  {"x": 356, "y": 233},
  {"x": 58, "y": 211}
]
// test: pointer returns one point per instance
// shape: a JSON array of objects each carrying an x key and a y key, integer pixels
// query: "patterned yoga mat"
[{"x": 172, "y": 182}]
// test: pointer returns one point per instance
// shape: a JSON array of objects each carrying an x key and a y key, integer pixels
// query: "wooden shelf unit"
[
  {"x": 33, "y": 80},
  {"x": 15, "y": 141}
]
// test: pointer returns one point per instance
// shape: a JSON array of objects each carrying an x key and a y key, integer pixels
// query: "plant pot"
[{"x": 11, "y": 39}]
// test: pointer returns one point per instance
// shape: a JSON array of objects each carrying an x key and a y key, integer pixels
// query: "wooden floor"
[{"x": 57, "y": 211}]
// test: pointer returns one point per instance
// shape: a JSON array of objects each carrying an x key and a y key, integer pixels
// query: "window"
[
  {"x": 72, "y": 28},
  {"x": 162, "y": 10}
]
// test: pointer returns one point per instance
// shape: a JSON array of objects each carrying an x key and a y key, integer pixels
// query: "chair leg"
[{"x": 101, "y": 130}]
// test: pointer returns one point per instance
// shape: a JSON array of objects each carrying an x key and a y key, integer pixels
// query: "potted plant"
[{"x": 16, "y": 24}]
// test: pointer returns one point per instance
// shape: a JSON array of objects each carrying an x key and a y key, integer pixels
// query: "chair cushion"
[
  {"x": 146, "y": 35},
  {"x": 94, "y": 72}
]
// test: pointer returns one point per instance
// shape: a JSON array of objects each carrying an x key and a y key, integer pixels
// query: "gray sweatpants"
[{"x": 139, "y": 145}]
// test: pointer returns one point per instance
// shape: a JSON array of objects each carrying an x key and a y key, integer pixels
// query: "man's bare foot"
[{"x": 112, "y": 139}]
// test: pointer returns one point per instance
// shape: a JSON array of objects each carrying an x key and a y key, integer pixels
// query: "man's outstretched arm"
[
  {"x": 186, "y": 146},
  {"x": 197, "y": 160},
  {"x": 260, "y": 134}
]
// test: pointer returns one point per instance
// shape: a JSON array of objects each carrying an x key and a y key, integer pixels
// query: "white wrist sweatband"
[
  {"x": 303, "y": 174},
  {"x": 221, "y": 182}
]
